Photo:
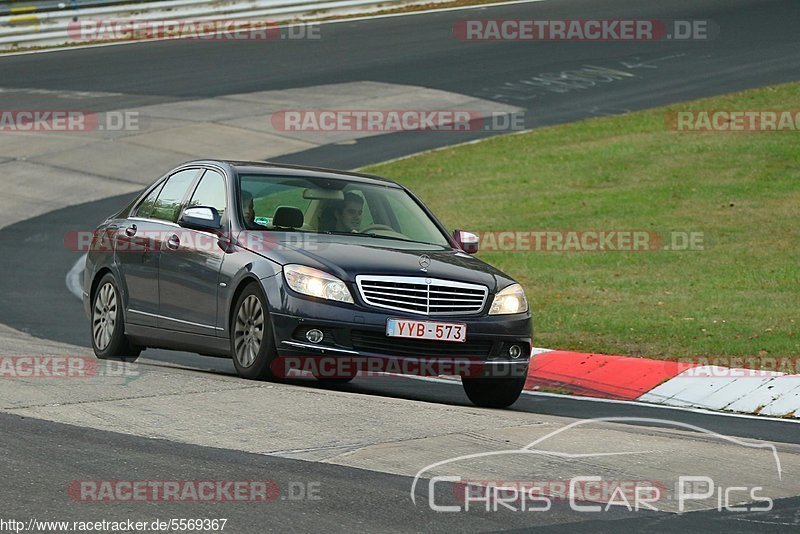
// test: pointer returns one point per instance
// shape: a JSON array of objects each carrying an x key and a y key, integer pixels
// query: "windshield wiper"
[
  {"x": 378, "y": 236},
  {"x": 287, "y": 229}
]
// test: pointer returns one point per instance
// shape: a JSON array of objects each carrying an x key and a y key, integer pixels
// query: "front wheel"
[
  {"x": 252, "y": 339},
  {"x": 108, "y": 328},
  {"x": 493, "y": 392}
]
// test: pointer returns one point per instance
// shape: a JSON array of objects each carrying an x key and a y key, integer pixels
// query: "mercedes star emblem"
[{"x": 424, "y": 262}]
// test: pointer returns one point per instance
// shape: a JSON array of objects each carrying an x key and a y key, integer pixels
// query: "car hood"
[{"x": 346, "y": 257}]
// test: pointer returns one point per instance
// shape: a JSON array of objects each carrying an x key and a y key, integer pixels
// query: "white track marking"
[{"x": 74, "y": 278}]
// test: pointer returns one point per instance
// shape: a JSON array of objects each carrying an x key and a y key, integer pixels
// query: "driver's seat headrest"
[{"x": 288, "y": 217}]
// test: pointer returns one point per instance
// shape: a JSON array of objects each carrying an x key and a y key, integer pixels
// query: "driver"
[{"x": 348, "y": 213}]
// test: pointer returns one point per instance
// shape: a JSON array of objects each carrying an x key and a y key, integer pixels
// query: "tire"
[
  {"x": 493, "y": 392},
  {"x": 108, "y": 326},
  {"x": 252, "y": 340}
]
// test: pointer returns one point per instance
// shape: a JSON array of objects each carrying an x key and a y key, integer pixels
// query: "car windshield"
[{"x": 327, "y": 206}]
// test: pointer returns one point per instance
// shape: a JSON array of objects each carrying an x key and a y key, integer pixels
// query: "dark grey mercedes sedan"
[{"x": 290, "y": 270}]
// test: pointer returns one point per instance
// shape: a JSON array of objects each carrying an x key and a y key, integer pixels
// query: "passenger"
[{"x": 249, "y": 211}]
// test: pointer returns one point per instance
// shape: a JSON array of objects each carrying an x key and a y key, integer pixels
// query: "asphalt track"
[
  {"x": 757, "y": 45},
  {"x": 363, "y": 501}
]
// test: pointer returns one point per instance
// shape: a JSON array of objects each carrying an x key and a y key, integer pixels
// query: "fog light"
[
  {"x": 514, "y": 351},
  {"x": 314, "y": 335}
]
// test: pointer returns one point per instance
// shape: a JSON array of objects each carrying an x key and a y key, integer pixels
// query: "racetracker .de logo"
[
  {"x": 339, "y": 367},
  {"x": 591, "y": 241},
  {"x": 185, "y": 241},
  {"x": 109, "y": 491},
  {"x": 87, "y": 30},
  {"x": 46, "y": 120},
  {"x": 398, "y": 120},
  {"x": 736, "y": 367},
  {"x": 66, "y": 120},
  {"x": 720, "y": 120},
  {"x": 583, "y": 30},
  {"x": 53, "y": 367},
  {"x": 47, "y": 367}
]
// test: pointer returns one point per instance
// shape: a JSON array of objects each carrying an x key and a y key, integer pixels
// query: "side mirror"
[
  {"x": 467, "y": 241},
  {"x": 201, "y": 218}
]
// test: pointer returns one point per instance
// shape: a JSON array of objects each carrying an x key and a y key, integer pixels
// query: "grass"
[{"x": 739, "y": 297}]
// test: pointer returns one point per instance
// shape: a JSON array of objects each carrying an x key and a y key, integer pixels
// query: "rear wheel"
[
  {"x": 493, "y": 392},
  {"x": 252, "y": 339},
  {"x": 108, "y": 328}
]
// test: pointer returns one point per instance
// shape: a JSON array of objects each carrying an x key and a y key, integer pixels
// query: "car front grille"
[
  {"x": 427, "y": 296},
  {"x": 379, "y": 343}
]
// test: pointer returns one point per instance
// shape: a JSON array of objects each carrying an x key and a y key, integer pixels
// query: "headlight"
[
  {"x": 510, "y": 300},
  {"x": 316, "y": 283}
]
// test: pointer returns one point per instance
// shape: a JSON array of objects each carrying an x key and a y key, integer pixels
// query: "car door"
[
  {"x": 138, "y": 245},
  {"x": 190, "y": 266},
  {"x": 136, "y": 258}
]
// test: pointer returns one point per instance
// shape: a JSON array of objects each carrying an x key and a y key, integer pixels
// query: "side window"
[
  {"x": 210, "y": 192},
  {"x": 168, "y": 205},
  {"x": 145, "y": 208}
]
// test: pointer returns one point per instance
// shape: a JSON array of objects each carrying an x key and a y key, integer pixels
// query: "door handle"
[
  {"x": 173, "y": 242},
  {"x": 130, "y": 231}
]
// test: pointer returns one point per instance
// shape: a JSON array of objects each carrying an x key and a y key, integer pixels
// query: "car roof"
[{"x": 283, "y": 169}]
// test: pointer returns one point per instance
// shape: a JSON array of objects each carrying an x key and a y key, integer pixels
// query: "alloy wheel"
[
  {"x": 104, "y": 318},
  {"x": 248, "y": 331}
]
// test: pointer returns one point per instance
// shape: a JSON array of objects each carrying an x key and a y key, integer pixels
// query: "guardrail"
[
  {"x": 21, "y": 7},
  {"x": 29, "y": 30}
]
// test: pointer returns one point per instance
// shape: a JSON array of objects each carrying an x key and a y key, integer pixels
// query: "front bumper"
[{"x": 354, "y": 338}]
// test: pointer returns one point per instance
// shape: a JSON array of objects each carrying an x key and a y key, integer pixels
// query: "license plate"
[{"x": 426, "y": 330}]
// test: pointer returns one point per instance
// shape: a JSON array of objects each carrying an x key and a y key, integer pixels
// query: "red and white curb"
[{"x": 668, "y": 383}]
